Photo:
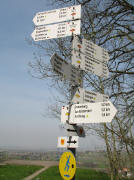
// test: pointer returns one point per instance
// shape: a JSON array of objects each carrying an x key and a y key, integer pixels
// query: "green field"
[
  {"x": 81, "y": 174},
  {"x": 16, "y": 172}
]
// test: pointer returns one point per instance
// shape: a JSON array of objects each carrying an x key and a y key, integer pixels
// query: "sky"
[{"x": 24, "y": 100}]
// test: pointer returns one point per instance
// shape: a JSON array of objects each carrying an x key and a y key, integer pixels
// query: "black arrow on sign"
[
  {"x": 74, "y": 142},
  {"x": 71, "y": 130}
]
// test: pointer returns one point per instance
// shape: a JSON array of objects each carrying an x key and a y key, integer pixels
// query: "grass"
[
  {"x": 52, "y": 173},
  {"x": 92, "y": 159},
  {"x": 81, "y": 174},
  {"x": 16, "y": 172},
  {"x": 89, "y": 174}
]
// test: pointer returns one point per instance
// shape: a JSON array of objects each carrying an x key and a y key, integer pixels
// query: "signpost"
[
  {"x": 67, "y": 165},
  {"x": 57, "y": 15},
  {"x": 66, "y": 70},
  {"x": 56, "y": 30},
  {"x": 86, "y": 56}
]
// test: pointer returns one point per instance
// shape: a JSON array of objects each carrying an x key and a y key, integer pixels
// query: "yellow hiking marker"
[
  {"x": 67, "y": 165},
  {"x": 77, "y": 95}
]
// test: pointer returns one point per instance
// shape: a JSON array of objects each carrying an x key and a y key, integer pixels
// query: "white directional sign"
[
  {"x": 92, "y": 112},
  {"x": 90, "y": 57},
  {"x": 64, "y": 114},
  {"x": 72, "y": 142},
  {"x": 99, "y": 112},
  {"x": 90, "y": 49},
  {"x": 95, "y": 51},
  {"x": 93, "y": 97},
  {"x": 57, "y": 15},
  {"x": 56, "y": 30},
  {"x": 84, "y": 96},
  {"x": 95, "y": 66},
  {"x": 68, "y": 142},
  {"x": 66, "y": 70},
  {"x": 90, "y": 64}
]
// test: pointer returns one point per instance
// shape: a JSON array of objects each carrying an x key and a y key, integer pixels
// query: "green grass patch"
[
  {"x": 89, "y": 174},
  {"x": 17, "y": 172},
  {"x": 52, "y": 173},
  {"x": 81, "y": 174}
]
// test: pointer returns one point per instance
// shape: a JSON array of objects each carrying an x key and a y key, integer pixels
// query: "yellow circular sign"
[{"x": 67, "y": 165}]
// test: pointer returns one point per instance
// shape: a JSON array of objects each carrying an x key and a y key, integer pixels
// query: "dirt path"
[
  {"x": 45, "y": 164},
  {"x": 29, "y": 162},
  {"x": 35, "y": 174}
]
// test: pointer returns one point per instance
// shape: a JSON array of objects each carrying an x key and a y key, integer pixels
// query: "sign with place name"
[
  {"x": 66, "y": 70},
  {"x": 56, "y": 30},
  {"x": 57, "y": 15},
  {"x": 90, "y": 57},
  {"x": 94, "y": 51},
  {"x": 90, "y": 49},
  {"x": 84, "y": 96},
  {"x": 68, "y": 142},
  {"x": 90, "y": 64},
  {"x": 75, "y": 130},
  {"x": 67, "y": 165},
  {"x": 100, "y": 112},
  {"x": 93, "y": 97},
  {"x": 95, "y": 66}
]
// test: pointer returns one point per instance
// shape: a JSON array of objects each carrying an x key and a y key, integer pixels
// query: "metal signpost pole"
[
  {"x": 73, "y": 150},
  {"x": 73, "y": 90}
]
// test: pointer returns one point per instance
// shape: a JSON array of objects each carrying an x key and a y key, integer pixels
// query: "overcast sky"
[{"x": 24, "y": 99}]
